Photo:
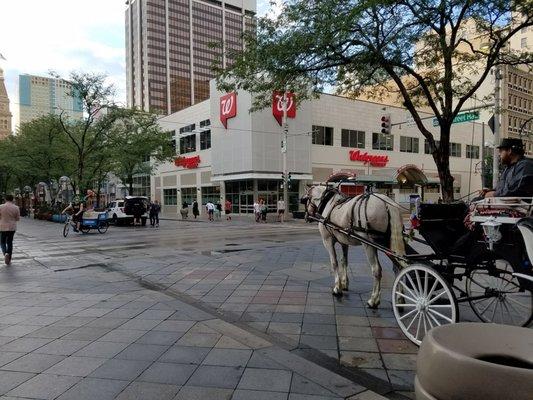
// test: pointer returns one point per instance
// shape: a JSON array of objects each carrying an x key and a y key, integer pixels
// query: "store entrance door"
[
  {"x": 246, "y": 203},
  {"x": 271, "y": 200}
]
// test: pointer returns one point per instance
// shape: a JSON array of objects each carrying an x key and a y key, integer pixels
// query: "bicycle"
[{"x": 68, "y": 223}]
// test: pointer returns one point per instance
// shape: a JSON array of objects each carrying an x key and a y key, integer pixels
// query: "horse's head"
[{"x": 312, "y": 199}]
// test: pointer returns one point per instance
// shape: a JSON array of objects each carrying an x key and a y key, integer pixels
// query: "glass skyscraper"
[{"x": 171, "y": 46}]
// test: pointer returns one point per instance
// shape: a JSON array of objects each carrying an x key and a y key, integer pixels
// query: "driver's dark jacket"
[{"x": 516, "y": 180}]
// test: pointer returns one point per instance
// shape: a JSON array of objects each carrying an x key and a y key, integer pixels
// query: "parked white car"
[{"x": 116, "y": 210}]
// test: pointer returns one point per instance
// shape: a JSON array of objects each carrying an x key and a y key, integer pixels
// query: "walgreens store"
[{"x": 225, "y": 152}]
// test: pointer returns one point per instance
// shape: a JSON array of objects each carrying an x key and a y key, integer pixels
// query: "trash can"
[{"x": 470, "y": 361}]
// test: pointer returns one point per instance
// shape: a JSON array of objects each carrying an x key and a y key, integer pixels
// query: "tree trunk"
[
  {"x": 130, "y": 184},
  {"x": 442, "y": 159}
]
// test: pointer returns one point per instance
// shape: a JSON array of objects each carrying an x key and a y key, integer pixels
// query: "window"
[
  {"x": 426, "y": 146},
  {"x": 210, "y": 194},
  {"x": 205, "y": 140},
  {"x": 382, "y": 141},
  {"x": 187, "y": 144},
  {"x": 188, "y": 128},
  {"x": 205, "y": 123},
  {"x": 472, "y": 151},
  {"x": 188, "y": 195},
  {"x": 455, "y": 149},
  {"x": 170, "y": 197},
  {"x": 323, "y": 135},
  {"x": 408, "y": 144},
  {"x": 352, "y": 138},
  {"x": 172, "y": 139},
  {"x": 523, "y": 43}
]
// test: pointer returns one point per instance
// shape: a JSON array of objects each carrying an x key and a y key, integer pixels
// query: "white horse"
[{"x": 367, "y": 215}]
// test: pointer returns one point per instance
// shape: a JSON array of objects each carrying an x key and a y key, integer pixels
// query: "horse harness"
[{"x": 361, "y": 204}]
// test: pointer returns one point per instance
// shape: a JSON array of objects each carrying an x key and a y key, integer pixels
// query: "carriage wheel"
[
  {"x": 102, "y": 228},
  {"x": 422, "y": 300},
  {"x": 506, "y": 302}
]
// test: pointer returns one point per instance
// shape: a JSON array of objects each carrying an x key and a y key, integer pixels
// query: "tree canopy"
[{"x": 435, "y": 53}]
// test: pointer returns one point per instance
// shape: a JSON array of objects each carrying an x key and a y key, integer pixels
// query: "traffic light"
[
  {"x": 386, "y": 124},
  {"x": 289, "y": 180}
]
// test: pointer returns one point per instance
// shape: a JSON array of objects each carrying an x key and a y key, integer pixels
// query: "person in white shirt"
[
  {"x": 281, "y": 209},
  {"x": 210, "y": 207},
  {"x": 257, "y": 211}
]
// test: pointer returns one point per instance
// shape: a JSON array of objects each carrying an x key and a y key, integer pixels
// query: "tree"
[
  {"x": 138, "y": 145},
  {"x": 420, "y": 46},
  {"x": 88, "y": 136}
]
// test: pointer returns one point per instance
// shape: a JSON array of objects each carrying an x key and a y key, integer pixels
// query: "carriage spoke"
[
  {"x": 444, "y": 317},
  {"x": 437, "y": 296},
  {"x": 518, "y": 303},
  {"x": 508, "y": 312},
  {"x": 487, "y": 306},
  {"x": 413, "y": 284},
  {"x": 495, "y": 308},
  {"x": 501, "y": 311},
  {"x": 405, "y": 305},
  {"x": 413, "y": 320},
  {"x": 409, "y": 290},
  {"x": 420, "y": 288},
  {"x": 430, "y": 316},
  {"x": 432, "y": 289},
  {"x": 431, "y": 326},
  {"x": 425, "y": 283},
  {"x": 425, "y": 323},
  {"x": 406, "y": 297},
  {"x": 441, "y": 306},
  {"x": 418, "y": 325},
  {"x": 409, "y": 313}
]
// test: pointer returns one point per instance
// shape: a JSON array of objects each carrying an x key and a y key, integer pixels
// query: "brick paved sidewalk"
[{"x": 97, "y": 333}]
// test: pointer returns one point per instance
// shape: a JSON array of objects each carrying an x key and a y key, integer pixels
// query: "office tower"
[
  {"x": 40, "y": 96},
  {"x": 172, "y": 44},
  {"x": 5, "y": 114}
]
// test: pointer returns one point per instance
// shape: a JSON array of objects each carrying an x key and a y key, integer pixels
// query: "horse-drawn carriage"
[{"x": 480, "y": 254}]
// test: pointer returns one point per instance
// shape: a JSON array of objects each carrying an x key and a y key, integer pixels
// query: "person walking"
[
  {"x": 9, "y": 215},
  {"x": 155, "y": 209},
  {"x": 210, "y": 208},
  {"x": 264, "y": 211},
  {"x": 257, "y": 210},
  {"x": 218, "y": 211},
  {"x": 281, "y": 210},
  {"x": 195, "y": 209},
  {"x": 227, "y": 209}
]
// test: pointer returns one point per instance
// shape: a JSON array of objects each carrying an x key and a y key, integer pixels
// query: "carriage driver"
[{"x": 516, "y": 179}]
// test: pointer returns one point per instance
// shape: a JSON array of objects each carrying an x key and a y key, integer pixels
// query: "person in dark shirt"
[{"x": 516, "y": 179}]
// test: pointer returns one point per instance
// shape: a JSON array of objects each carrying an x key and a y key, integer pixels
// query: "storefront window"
[
  {"x": 408, "y": 144},
  {"x": 426, "y": 146},
  {"x": 188, "y": 195},
  {"x": 472, "y": 151},
  {"x": 170, "y": 197},
  {"x": 141, "y": 185},
  {"x": 210, "y": 194},
  {"x": 351, "y": 138},
  {"x": 188, "y": 128},
  {"x": 187, "y": 144},
  {"x": 382, "y": 141},
  {"x": 323, "y": 135}
]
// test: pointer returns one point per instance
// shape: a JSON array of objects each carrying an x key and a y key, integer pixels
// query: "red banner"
[
  {"x": 277, "y": 106},
  {"x": 228, "y": 108},
  {"x": 372, "y": 159},
  {"x": 187, "y": 162}
]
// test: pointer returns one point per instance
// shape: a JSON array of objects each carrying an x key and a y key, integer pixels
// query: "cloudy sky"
[{"x": 37, "y": 36}]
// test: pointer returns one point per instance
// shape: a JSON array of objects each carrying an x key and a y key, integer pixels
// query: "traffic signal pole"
[
  {"x": 497, "y": 110},
  {"x": 284, "y": 155}
]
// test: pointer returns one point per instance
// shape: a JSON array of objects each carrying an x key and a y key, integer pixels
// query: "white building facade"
[{"x": 242, "y": 161}]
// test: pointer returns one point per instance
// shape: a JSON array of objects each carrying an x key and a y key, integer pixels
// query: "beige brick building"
[{"x": 5, "y": 114}]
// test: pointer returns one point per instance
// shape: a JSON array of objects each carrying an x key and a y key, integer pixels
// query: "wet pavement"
[{"x": 268, "y": 282}]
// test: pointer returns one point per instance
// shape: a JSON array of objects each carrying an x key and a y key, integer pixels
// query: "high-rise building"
[
  {"x": 5, "y": 114},
  {"x": 40, "y": 96},
  {"x": 171, "y": 46}
]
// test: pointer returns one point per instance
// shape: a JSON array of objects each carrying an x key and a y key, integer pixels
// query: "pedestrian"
[
  {"x": 210, "y": 208},
  {"x": 184, "y": 210},
  {"x": 155, "y": 209},
  {"x": 195, "y": 209},
  {"x": 218, "y": 211},
  {"x": 281, "y": 210},
  {"x": 9, "y": 215},
  {"x": 227, "y": 208},
  {"x": 257, "y": 210},
  {"x": 264, "y": 210}
]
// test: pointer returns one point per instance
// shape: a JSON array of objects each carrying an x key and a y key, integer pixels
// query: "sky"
[{"x": 37, "y": 36}]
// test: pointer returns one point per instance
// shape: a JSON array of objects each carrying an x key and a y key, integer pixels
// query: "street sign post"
[{"x": 463, "y": 117}]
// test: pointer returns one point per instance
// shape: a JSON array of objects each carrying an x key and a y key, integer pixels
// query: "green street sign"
[{"x": 463, "y": 117}]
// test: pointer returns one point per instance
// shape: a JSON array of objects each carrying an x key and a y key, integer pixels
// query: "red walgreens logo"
[
  {"x": 372, "y": 159},
  {"x": 187, "y": 162},
  {"x": 228, "y": 108},
  {"x": 277, "y": 106}
]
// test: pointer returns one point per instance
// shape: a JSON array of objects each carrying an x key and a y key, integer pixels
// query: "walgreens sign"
[
  {"x": 228, "y": 108},
  {"x": 277, "y": 106},
  {"x": 372, "y": 159}
]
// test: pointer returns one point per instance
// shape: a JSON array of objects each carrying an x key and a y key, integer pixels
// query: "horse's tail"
[{"x": 397, "y": 244}]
